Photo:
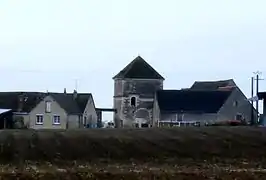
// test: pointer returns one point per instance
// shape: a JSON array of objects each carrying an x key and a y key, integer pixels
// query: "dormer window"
[
  {"x": 133, "y": 101},
  {"x": 48, "y": 106}
]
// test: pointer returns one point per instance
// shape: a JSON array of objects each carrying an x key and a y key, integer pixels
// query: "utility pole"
[
  {"x": 258, "y": 73},
  {"x": 252, "y": 94}
]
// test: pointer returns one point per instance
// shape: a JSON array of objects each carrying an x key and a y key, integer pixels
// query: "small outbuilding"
[{"x": 6, "y": 119}]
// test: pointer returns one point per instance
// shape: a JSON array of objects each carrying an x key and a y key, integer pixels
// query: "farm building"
[
  {"x": 262, "y": 96},
  {"x": 141, "y": 101},
  {"x": 198, "y": 107},
  {"x": 6, "y": 119}
]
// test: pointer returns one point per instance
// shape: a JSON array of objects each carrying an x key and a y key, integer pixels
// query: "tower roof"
[{"x": 139, "y": 69}]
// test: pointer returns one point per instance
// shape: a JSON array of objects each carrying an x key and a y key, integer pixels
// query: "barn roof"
[
  {"x": 212, "y": 85},
  {"x": 139, "y": 69},
  {"x": 2, "y": 111},
  {"x": 71, "y": 105},
  {"x": 191, "y": 101}
]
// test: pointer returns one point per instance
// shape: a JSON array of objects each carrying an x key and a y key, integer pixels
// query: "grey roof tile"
[{"x": 191, "y": 101}]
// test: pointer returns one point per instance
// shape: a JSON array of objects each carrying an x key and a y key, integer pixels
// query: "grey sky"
[{"x": 46, "y": 45}]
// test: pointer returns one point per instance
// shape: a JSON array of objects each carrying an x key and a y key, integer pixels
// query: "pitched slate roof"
[
  {"x": 138, "y": 69},
  {"x": 10, "y": 100},
  {"x": 3, "y": 111},
  {"x": 191, "y": 101},
  {"x": 212, "y": 85},
  {"x": 71, "y": 106}
]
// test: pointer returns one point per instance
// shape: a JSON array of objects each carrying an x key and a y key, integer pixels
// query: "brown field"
[{"x": 179, "y": 153}]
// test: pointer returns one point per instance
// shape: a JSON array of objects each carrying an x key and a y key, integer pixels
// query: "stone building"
[
  {"x": 141, "y": 101},
  {"x": 134, "y": 91}
]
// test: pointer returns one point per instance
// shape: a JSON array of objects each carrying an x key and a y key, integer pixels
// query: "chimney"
[
  {"x": 65, "y": 91},
  {"x": 75, "y": 94},
  {"x": 20, "y": 102}
]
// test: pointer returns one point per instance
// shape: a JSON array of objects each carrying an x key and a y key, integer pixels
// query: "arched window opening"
[{"x": 133, "y": 101}]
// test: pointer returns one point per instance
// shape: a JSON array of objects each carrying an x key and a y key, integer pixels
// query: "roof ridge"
[
  {"x": 213, "y": 81},
  {"x": 195, "y": 90},
  {"x": 21, "y": 92}
]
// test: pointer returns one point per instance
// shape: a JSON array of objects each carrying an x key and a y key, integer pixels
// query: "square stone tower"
[{"x": 134, "y": 93}]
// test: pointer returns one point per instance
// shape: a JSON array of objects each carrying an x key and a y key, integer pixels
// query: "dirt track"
[{"x": 199, "y": 153}]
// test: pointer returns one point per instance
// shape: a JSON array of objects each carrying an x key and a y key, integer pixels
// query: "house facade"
[
  {"x": 51, "y": 110},
  {"x": 134, "y": 92}
]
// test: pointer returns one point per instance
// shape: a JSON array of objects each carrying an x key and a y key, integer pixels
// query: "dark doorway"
[
  {"x": 145, "y": 125},
  {"x": 6, "y": 120}
]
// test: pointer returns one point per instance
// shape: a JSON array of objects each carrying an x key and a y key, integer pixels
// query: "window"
[
  {"x": 56, "y": 119},
  {"x": 85, "y": 121},
  {"x": 179, "y": 117},
  {"x": 48, "y": 106},
  {"x": 144, "y": 125},
  {"x": 235, "y": 103},
  {"x": 39, "y": 119},
  {"x": 133, "y": 101}
]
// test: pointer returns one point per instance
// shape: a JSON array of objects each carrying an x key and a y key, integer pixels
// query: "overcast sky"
[{"x": 46, "y": 45}]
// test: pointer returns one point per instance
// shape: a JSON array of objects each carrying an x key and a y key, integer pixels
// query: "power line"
[{"x": 40, "y": 71}]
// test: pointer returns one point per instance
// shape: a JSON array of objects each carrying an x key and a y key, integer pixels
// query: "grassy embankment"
[{"x": 192, "y": 153}]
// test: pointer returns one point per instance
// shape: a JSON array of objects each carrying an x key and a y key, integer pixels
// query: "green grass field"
[{"x": 178, "y": 153}]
